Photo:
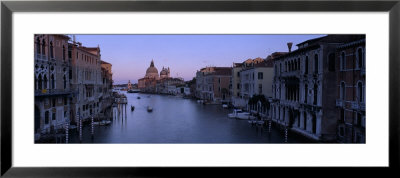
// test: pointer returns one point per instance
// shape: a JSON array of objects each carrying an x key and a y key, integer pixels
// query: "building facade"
[
  {"x": 213, "y": 83},
  {"x": 304, "y": 88},
  {"x": 53, "y": 92},
  {"x": 350, "y": 102}
]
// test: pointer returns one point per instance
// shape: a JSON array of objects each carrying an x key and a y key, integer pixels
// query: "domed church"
[
  {"x": 152, "y": 71},
  {"x": 149, "y": 81}
]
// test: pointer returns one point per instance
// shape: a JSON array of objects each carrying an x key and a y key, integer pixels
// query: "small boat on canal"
[
  {"x": 138, "y": 97},
  {"x": 234, "y": 113},
  {"x": 149, "y": 109},
  {"x": 132, "y": 108},
  {"x": 104, "y": 122}
]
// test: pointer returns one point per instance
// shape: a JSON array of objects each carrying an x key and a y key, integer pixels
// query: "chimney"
[{"x": 290, "y": 46}]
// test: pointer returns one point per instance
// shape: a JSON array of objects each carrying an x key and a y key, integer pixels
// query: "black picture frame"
[{"x": 8, "y": 7}]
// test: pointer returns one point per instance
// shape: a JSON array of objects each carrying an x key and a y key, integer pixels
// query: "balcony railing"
[
  {"x": 47, "y": 92},
  {"x": 339, "y": 103}
]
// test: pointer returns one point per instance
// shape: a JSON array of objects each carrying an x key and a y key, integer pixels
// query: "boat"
[
  {"x": 104, "y": 122},
  {"x": 225, "y": 106},
  {"x": 138, "y": 97},
  {"x": 260, "y": 122},
  {"x": 234, "y": 113},
  {"x": 149, "y": 109},
  {"x": 132, "y": 108},
  {"x": 244, "y": 116}
]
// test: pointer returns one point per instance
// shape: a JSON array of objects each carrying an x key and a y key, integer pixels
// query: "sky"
[{"x": 130, "y": 55}]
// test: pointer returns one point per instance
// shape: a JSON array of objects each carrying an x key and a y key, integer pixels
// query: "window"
[
  {"x": 331, "y": 62},
  {"x": 64, "y": 53},
  {"x": 53, "y": 86},
  {"x": 37, "y": 45},
  {"x": 45, "y": 82},
  {"x": 65, "y": 82},
  {"x": 40, "y": 81},
  {"x": 341, "y": 131},
  {"x": 342, "y": 61},
  {"x": 70, "y": 74},
  {"x": 342, "y": 91},
  {"x": 316, "y": 64},
  {"x": 305, "y": 93},
  {"x": 314, "y": 123},
  {"x": 54, "y": 116},
  {"x": 360, "y": 92},
  {"x": 305, "y": 120},
  {"x": 238, "y": 86},
  {"x": 298, "y": 64},
  {"x": 360, "y": 58},
  {"x": 51, "y": 50},
  {"x": 306, "y": 66},
  {"x": 315, "y": 94},
  {"x": 65, "y": 100},
  {"x": 260, "y": 88},
  {"x": 46, "y": 117},
  {"x": 260, "y": 75},
  {"x": 238, "y": 74},
  {"x": 359, "y": 117},
  {"x": 53, "y": 102},
  {"x": 43, "y": 47},
  {"x": 342, "y": 115}
]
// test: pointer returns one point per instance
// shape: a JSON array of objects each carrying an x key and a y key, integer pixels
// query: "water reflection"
[{"x": 176, "y": 120}]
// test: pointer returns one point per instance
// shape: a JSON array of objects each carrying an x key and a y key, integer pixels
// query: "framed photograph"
[{"x": 136, "y": 88}]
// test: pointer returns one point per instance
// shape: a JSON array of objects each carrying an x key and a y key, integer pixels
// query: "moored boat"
[{"x": 149, "y": 109}]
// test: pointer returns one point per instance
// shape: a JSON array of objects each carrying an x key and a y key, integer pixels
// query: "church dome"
[
  {"x": 152, "y": 71},
  {"x": 163, "y": 72}
]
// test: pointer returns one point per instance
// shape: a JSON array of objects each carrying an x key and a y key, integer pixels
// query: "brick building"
[
  {"x": 350, "y": 67},
  {"x": 212, "y": 84},
  {"x": 305, "y": 88}
]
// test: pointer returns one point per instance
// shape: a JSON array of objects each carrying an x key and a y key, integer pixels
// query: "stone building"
[
  {"x": 304, "y": 88},
  {"x": 153, "y": 82},
  {"x": 349, "y": 64},
  {"x": 53, "y": 92},
  {"x": 86, "y": 81},
  {"x": 106, "y": 97},
  {"x": 212, "y": 84},
  {"x": 236, "y": 99}
]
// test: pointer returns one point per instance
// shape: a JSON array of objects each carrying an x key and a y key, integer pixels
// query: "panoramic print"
[{"x": 205, "y": 89}]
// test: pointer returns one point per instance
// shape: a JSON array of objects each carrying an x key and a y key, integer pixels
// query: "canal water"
[{"x": 177, "y": 120}]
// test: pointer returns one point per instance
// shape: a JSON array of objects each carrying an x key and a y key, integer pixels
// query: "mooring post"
[{"x": 92, "y": 126}]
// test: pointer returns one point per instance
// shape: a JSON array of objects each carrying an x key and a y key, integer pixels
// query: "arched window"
[
  {"x": 342, "y": 61},
  {"x": 64, "y": 53},
  {"x": 316, "y": 64},
  {"x": 65, "y": 82},
  {"x": 37, "y": 46},
  {"x": 360, "y": 92},
  {"x": 51, "y": 50},
  {"x": 305, "y": 93},
  {"x": 314, "y": 124},
  {"x": 331, "y": 62},
  {"x": 45, "y": 82},
  {"x": 306, "y": 66},
  {"x": 52, "y": 81},
  {"x": 342, "y": 91},
  {"x": 315, "y": 94},
  {"x": 43, "y": 47},
  {"x": 39, "y": 81},
  {"x": 298, "y": 64},
  {"x": 360, "y": 58},
  {"x": 46, "y": 117}
]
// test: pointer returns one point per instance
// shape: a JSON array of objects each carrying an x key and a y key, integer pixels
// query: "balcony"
[
  {"x": 52, "y": 92},
  {"x": 339, "y": 103},
  {"x": 296, "y": 73}
]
